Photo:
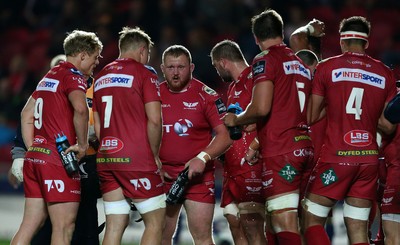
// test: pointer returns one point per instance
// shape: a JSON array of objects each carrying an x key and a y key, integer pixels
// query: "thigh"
[
  {"x": 199, "y": 216},
  {"x": 172, "y": 214},
  {"x": 62, "y": 214},
  {"x": 35, "y": 213}
]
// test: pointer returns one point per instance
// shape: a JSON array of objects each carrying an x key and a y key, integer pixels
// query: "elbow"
[
  {"x": 385, "y": 126},
  {"x": 155, "y": 122},
  {"x": 82, "y": 111},
  {"x": 262, "y": 111}
]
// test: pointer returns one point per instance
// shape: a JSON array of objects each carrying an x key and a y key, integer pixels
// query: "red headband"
[{"x": 354, "y": 35}]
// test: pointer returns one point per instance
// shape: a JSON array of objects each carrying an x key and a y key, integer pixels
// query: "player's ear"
[{"x": 191, "y": 67}]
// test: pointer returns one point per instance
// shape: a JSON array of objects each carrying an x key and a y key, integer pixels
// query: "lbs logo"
[
  {"x": 358, "y": 138},
  {"x": 111, "y": 145}
]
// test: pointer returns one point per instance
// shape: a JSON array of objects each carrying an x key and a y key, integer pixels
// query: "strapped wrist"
[
  {"x": 204, "y": 157},
  {"x": 310, "y": 29}
]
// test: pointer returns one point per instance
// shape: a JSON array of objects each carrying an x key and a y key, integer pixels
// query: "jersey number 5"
[
  {"x": 302, "y": 95},
  {"x": 353, "y": 105}
]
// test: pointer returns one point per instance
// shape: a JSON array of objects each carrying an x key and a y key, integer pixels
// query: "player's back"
[
  {"x": 121, "y": 90},
  {"x": 355, "y": 88},
  {"x": 283, "y": 124},
  {"x": 53, "y": 110}
]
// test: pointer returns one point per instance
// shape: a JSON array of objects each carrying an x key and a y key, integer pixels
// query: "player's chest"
[{"x": 186, "y": 108}]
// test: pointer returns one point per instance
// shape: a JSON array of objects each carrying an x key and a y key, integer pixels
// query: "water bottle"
[
  {"x": 235, "y": 132},
  {"x": 69, "y": 160},
  {"x": 177, "y": 190}
]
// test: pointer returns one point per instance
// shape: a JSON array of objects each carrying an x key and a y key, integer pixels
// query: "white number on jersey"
[
  {"x": 38, "y": 113},
  {"x": 353, "y": 105},
  {"x": 107, "y": 112},
  {"x": 302, "y": 95}
]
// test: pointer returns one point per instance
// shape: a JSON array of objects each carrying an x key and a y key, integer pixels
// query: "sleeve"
[
  {"x": 214, "y": 108},
  {"x": 35, "y": 95},
  {"x": 74, "y": 82},
  {"x": 317, "y": 83},
  {"x": 18, "y": 141},
  {"x": 391, "y": 83},
  {"x": 151, "y": 88},
  {"x": 262, "y": 72}
]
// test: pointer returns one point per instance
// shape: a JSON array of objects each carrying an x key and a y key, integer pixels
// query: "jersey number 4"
[{"x": 354, "y": 102}]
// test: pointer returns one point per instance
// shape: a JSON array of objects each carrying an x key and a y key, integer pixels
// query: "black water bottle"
[
  {"x": 235, "y": 132},
  {"x": 69, "y": 160},
  {"x": 175, "y": 194}
]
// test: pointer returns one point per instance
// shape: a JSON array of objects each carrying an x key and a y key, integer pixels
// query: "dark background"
[{"x": 32, "y": 32}]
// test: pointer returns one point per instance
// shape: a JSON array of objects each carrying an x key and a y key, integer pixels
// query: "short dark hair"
[
  {"x": 307, "y": 56},
  {"x": 132, "y": 38},
  {"x": 227, "y": 49},
  {"x": 358, "y": 24},
  {"x": 267, "y": 25}
]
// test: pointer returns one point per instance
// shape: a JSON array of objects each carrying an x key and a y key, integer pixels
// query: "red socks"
[
  {"x": 288, "y": 238},
  {"x": 316, "y": 235}
]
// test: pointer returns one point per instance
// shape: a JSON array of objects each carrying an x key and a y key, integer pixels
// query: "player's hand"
[
  {"x": 318, "y": 28},
  {"x": 229, "y": 119},
  {"x": 196, "y": 167},
  {"x": 251, "y": 156},
  {"x": 164, "y": 175},
  {"x": 250, "y": 128},
  {"x": 94, "y": 142},
  {"x": 80, "y": 150},
  {"x": 15, "y": 174}
]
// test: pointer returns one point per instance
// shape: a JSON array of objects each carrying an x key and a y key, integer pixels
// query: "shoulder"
[
  {"x": 262, "y": 54},
  {"x": 204, "y": 89}
]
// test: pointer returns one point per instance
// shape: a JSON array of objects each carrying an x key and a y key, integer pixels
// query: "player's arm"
[
  {"x": 260, "y": 106},
  {"x": 15, "y": 174},
  {"x": 384, "y": 125},
  {"x": 27, "y": 118},
  {"x": 220, "y": 142},
  {"x": 299, "y": 39},
  {"x": 154, "y": 128},
  {"x": 218, "y": 145},
  {"x": 316, "y": 109},
  {"x": 81, "y": 117},
  {"x": 392, "y": 110},
  {"x": 96, "y": 119}
]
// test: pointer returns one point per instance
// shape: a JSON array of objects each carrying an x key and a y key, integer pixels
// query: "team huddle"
[{"x": 308, "y": 140}]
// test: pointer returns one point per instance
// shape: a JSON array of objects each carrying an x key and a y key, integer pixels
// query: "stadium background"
[{"x": 32, "y": 31}]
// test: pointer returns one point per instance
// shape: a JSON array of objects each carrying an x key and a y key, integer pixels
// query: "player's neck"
[
  {"x": 238, "y": 68},
  {"x": 264, "y": 45}
]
